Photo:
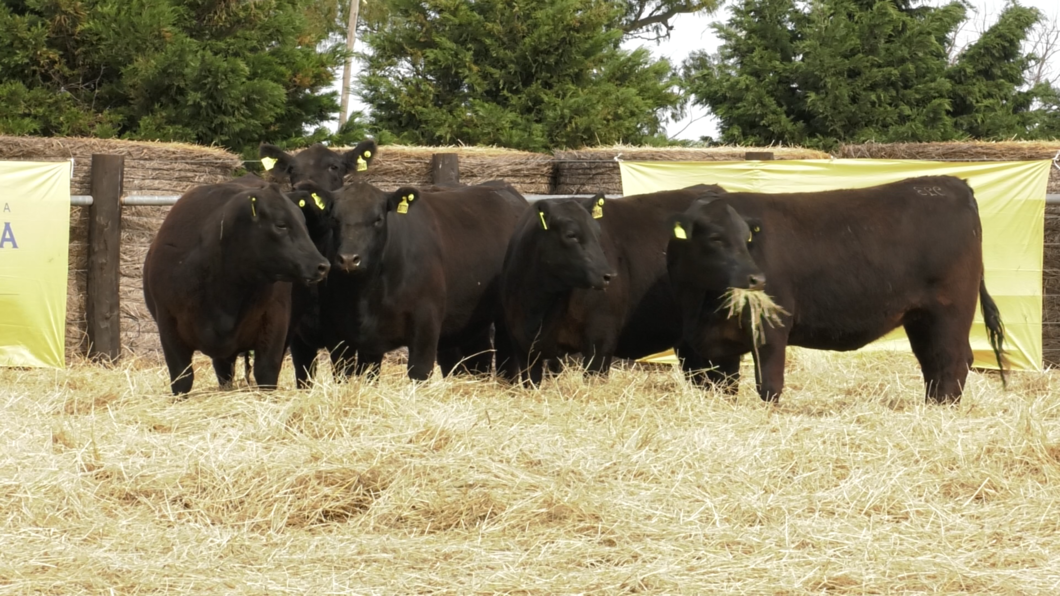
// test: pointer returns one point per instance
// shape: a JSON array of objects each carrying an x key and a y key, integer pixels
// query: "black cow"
[
  {"x": 426, "y": 265},
  {"x": 589, "y": 276},
  {"x": 317, "y": 164},
  {"x": 217, "y": 279},
  {"x": 317, "y": 167},
  {"x": 847, "y": 265}
]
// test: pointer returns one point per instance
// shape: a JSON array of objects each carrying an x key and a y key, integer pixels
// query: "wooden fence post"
[
  {"x": 445, "y": 168},
  {"x": 102, "y": 307}
]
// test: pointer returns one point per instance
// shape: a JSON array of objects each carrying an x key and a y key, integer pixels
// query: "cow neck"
[
  {"x": 545, "y": 298},
  {"x": 226, "y": 286},
  {"x": 388, "y": 272}
]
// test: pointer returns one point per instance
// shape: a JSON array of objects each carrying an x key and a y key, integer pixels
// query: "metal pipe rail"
[{"x": 164, "y": 200}]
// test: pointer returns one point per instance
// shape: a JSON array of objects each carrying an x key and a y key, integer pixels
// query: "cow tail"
[{"x": 995, "y": 330}]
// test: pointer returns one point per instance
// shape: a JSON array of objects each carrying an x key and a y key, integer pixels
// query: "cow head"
[
  {"x": 264, "y": 238},
  {"x": 316, "y": 205},
  {"x": 362, "y": 213},
  {"x": 709, "y": 249},
  {"x": 318, "y": 163},
  {"x": 568, "y": 241}
]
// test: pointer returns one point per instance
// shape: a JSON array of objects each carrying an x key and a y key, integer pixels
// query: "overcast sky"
[{"x": 693, "y": 32}]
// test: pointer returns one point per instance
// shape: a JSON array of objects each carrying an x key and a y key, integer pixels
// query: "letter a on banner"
[{"x": 34, "y": 243}]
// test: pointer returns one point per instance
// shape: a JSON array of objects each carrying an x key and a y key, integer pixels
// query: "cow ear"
[
  {"x": 595, "y": 205},
  {"x": 402, "y": 200},
  {"x": 755, "y": 225},
  {"x": 680, "y": 227},
  {"x": 315, "y": 197},
  {"x": 252, "y": 200},
  {"x": 360, "y": 157},
  {"x": 544, "y": 212},
  {"x": 275, "y": 160}
]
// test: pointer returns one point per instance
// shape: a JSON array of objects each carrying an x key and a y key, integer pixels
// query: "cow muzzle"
[
  {"x": 604, "y": 281},
  {"x": 756, "y": 281},
  {"x": 349, "y": 263},
  {"x": 319, "y": 274}
]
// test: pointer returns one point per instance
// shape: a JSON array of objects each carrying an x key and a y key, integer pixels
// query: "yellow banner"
[
  {"x": 34, "y": 243},
  {"x": 1011, "y": 198}
]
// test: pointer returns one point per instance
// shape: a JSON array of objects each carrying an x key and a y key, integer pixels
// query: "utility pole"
[{"x": 351, "y": 35}]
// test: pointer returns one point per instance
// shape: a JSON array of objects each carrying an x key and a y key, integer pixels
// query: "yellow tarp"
[
  {"x": 1011, "y": 198},
  {"x": 34, "y": 240}
]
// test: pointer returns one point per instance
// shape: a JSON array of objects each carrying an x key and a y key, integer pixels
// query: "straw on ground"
[{"x": 640, "y": 483}]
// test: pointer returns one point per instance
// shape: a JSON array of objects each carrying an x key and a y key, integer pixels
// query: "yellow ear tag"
[
  {"x": 750, "y": 237},
  {"x": 361, "y": 164},
  {"x": 367, "y": 153},
  {"x": 253, "y": 212},
  {"x": 319, "y": 201},
  {"x": 544, "y": 226},
  {"x": 757, "y": 229},
  {"x": 268, "y": 162},
  {"x": 301, "y": 203},
  {"x": 403, "y": 206},
  {"x": 598, "y": 209},
  {"x": 679, "y": 232}
]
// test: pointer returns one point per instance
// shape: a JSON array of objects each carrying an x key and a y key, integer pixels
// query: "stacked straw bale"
[
  {"x": 396, "y": 166},
  {"x": 150, "y": 169},
  {"x": 589, "y": 171}
]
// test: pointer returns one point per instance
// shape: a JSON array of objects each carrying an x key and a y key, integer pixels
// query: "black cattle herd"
[{"x": 481, "y": 281}]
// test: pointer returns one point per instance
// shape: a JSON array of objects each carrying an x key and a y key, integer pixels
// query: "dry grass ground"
[{"x": 639, "y": 484}]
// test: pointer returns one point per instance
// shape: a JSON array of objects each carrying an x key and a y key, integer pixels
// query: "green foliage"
[
  {"x": 223, "y": 72},
  {"x": 528, "y": 74},
  {"x": 987, "y": 100},
  {"x": 822, "y": 72},
  {"x": 651, "y": 18}
]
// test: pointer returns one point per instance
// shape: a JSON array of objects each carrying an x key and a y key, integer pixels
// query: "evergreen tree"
[
  {"x": 208, "y": 71},
  {"x": 528, "y": 74},
  {"x": 987, "y": 99},
  {"x": 822, "y": 72}
]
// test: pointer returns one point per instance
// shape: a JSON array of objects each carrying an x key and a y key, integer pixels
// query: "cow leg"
[
  {"x": 769, "y": 370},
  {"x": 342, "y": 362},
  {"x": 225, "y": 369},
  {"x": 531, "y": 367},
  {"x": 507, "y": 365},
  {"x": 304, "y": 359},
  {"x": 940, "y": 344},
  {"x": 368, "y": 365},
  {"x": 267, "y": 363},
  {"x": 720, "y": 373},
  {"x": 724, "y": 373},
  {"x": 449, "y": 359},
  {"x": 423, "y": 345},
  {"x": 478, "y": 354},
  {"x": 554, "y": 366},
  {"x": 178, "y": 360},
  {"x": 597, "y": 360}
]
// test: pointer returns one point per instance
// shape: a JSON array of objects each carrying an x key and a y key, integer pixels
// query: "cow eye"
[
  {"x": 572, "y": 236},
  {"x": 716, "y": 239},
  {"x": 333, "y": 168},
  {"x": 378, "y": 221}
]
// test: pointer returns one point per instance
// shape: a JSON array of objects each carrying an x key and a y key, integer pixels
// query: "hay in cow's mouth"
[{"x": 759, "y": 306}]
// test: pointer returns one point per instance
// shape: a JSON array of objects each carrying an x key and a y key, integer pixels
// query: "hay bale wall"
[
  {"x": 589, "y": 171},
  {"x": 167, "y": 168},
  {"x": 150, "y": 169},
  {"x": 396, "y": 166}
]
